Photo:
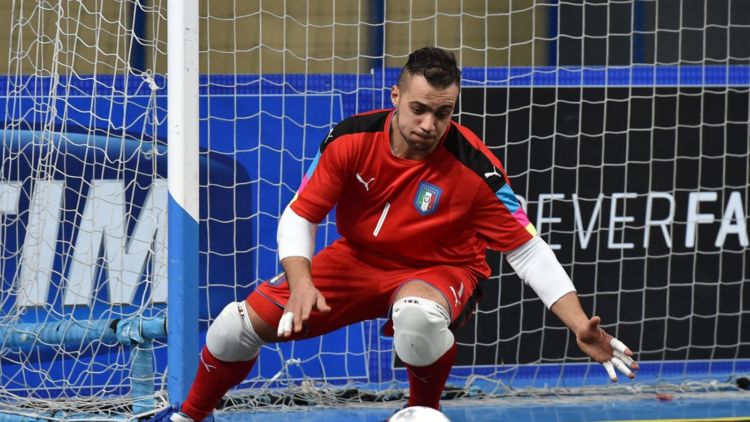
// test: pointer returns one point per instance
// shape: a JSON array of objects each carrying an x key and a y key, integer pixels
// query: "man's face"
[{"x": 423, "y": 116}]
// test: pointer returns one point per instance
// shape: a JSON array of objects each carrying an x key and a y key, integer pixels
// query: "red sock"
[
  {"x": 426, "y": 382},
  {"x": 213, "y": 379}
]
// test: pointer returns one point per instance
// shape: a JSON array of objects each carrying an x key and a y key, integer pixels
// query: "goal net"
[
  {"x": 623, "y": 126},
  {"x": 83, "y": 199}
]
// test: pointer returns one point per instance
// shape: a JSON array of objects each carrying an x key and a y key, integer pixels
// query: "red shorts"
[{"x": 357, "y": 290}]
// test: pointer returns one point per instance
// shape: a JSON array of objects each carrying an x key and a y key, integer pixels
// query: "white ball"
[{"x": 419, "y": 414}]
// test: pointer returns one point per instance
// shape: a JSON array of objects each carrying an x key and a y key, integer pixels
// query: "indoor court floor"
[{"x": 733, "y": 406}]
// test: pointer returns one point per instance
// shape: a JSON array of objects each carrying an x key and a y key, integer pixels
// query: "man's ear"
[{"x": 394, "y": 95}]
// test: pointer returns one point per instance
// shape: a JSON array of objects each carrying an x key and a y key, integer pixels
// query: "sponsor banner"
[{"x": 644, "y": 195}]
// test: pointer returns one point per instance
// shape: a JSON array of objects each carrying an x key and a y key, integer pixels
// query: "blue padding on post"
[{"x": 182, "y": 308}]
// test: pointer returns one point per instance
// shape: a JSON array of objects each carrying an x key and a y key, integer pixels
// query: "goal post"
[{"x": 183, "y": 120}]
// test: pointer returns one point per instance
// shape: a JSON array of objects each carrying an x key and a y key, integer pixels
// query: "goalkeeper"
[{"x": 419, "y": 199}]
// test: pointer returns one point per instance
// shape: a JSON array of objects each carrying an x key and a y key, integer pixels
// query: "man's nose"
[{"x": 428, "y": 124}]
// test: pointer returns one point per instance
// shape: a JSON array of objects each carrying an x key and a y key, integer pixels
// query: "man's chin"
[{"x": 421, "y": 145}]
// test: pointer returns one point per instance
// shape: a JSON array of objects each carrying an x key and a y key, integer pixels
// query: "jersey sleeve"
[
  {"x": 324, "y": 181},
  {"x": 498, "y": 216}
]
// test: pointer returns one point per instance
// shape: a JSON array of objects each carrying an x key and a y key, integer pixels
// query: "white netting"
[
  {"x": 623, "y": 127},
  {"x": 84, "y": 197}
]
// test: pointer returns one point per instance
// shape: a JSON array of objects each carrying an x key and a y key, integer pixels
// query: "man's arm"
[
  {"x": 296, "y": 239},
  {"x": 568, "y": 309},
  {"x": 537, "y": 265},
  {"x": 592, "y": 339}
]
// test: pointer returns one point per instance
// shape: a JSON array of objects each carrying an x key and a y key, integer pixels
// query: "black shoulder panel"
[
  {"x": 473, "y": 158},
  {"x": 359, "y": 123}
]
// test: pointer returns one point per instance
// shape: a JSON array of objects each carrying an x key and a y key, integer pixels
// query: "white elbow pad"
[
  {"x": 537, "y": 265},
  {"x": 296, "y": 235}
]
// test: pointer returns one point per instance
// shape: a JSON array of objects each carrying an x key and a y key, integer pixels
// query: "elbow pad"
[
  {"x": 537, "y": 265},
  {"x": 295, "y": 236}
]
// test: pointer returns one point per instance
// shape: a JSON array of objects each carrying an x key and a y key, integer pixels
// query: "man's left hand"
[{"x": 607, "y": 350}]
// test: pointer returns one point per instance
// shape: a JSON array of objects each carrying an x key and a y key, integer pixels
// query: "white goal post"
[{"x": 149, "y": 147}]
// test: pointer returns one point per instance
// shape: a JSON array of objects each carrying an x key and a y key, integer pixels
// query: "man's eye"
[{"x": 418, "y": 110}]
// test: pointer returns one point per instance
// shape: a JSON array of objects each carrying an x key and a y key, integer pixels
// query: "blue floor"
[{"x": 733, "y": 407}]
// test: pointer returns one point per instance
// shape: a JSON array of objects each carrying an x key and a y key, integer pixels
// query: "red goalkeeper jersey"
[{"x": 444, "y": 210}]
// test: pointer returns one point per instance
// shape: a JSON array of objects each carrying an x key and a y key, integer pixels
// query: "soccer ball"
[{"x": 419, "y": 414}]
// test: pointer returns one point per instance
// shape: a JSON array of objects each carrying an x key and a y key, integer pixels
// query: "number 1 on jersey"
[{"x": 382, "y": 219}]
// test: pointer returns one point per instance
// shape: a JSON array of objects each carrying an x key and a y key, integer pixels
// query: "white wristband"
[
  {"x": 296, "y": 235},
  {"x": 537, "y": 265}
]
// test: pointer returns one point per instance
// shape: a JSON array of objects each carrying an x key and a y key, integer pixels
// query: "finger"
[
  {"x": 299, "y": 318},
  {"x": 619, "y": 346},
  {"x": 620, "y": 365},
  {"x": 322, "y": 305},
  {"x": 285, "y": 325},
  {"x": 627, "y": 360},
  {"x": 592, "y": 331},
  {"x": 610, "y": 370},
  {"x": 307, "y": 307},
  {"x": 594, "y": 322}
]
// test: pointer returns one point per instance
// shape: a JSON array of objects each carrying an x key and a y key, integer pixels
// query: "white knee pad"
[
  {"x": 420, "y": 331},
  {"x": 231, "y": 337}
]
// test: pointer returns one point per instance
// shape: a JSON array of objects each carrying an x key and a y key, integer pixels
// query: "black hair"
[{"x": 438, "y": 66}]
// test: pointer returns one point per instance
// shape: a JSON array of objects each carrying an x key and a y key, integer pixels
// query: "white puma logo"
[
  {"x": 367, "y": 183},
  {"x": 459, "y": 294},
  {"x": 492, "y": 173}
]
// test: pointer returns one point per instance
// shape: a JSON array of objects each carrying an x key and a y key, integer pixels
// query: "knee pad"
[
  {"x": 231, "y": 337},
  {"x": 420, "y": 331}
]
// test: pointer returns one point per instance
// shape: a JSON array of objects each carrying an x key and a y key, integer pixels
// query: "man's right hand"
[{"x": 298, "y": 308}]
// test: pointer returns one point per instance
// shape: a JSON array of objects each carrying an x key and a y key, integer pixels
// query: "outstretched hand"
[
  {"x": 605, "y": 349},
  {"x": 298, "y": 308}
]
